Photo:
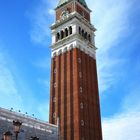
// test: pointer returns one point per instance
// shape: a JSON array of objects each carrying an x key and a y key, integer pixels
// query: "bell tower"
[{"x": 74, "y": 97}]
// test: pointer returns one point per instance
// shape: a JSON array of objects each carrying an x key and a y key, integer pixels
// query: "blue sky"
[{"x": 25, "y": 57}]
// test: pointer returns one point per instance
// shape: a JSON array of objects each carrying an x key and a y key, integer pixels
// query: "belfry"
[{"x": 74, "y": 97}]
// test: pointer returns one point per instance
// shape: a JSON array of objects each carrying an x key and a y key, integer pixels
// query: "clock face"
[{"x": 64, "y": 14}]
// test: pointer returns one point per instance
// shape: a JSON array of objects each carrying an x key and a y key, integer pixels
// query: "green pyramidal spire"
[{"x": 61, "y": 2}]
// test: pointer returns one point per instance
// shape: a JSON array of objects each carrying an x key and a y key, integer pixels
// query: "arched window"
[
  {"x": 54, "y": 85},
  {"x": 89, "y": 38},
  {"x": 60, "y": 51},
  {"x": 81, "y": 105},
  {"x": 82, "y": 123},
  {"x": 54, "y": 54},
  {"x": 81, "y": 89},
  {"x": 65, "y": 50},
  {"x": 80, "y": 74},
  {"x": 55, "y": 71},
  {"x": 66, "y": 32},
  {"x": 83, "y": 138},
  {"x": 71, "y": 47},
  {"x": 70, "y": 30},
  {"x": 79, "y": 60},
  {"x": 57, "y": 37},
  {"x": 80, "y": 30},
  {"x": 54, "y": 99},
  {"x": 85, "y": 36},
  {"x": 54, "y": 115},
  {"x": 62, "y": 34},
  {"x": 83, "y": 33}
]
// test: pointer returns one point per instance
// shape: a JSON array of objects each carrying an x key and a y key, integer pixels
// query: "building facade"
[
  {"x": 30, "y": 126},
  {"x": 74, "y": 96}
]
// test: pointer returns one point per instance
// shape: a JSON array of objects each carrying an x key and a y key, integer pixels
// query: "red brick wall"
[
  {"x": 83, "y": 12},
  {"x": 69, "y": 7},
  {"x": 68, "y": 96}
]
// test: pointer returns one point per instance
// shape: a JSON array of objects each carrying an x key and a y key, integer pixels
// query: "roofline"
[{"x": 23, "y": 116}]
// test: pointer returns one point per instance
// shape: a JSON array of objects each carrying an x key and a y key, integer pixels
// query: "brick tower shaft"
[{"x": 74, "y": 97}]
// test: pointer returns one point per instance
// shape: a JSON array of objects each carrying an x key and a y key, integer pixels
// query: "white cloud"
[
  {"x": 40, "y": 19},
  {"x": 14, "y": 88},
  {"x": 51, "y": 12},
  {"x": 9, "y": 96},
  {"x": 111, "y": 19},
  {"x": 125, "y": 125},
  {"x": 122, "y": 127}
]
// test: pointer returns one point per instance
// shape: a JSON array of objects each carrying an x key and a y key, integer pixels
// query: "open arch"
[
  {"x": 80, "y": 30},
  {"x": 62, "y": 34},
  {"x": 89, "y": 38},
  {"x": 65, "y": 49},
  {"x": 54, "y": 54},
  {"x": 59, "y": 52},
  {"x": 83, "y": 33},
  {"x": 58, "y": 36},
  {"x": 71, "y": 47},
  {"x": 66, "y": 32},
  {"x": 70, "y": 30}
]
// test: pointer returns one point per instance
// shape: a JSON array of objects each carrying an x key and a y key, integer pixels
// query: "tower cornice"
[{"x": 72, "y": 42}]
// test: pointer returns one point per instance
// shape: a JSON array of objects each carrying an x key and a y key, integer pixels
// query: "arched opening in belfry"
[
  {"x": 80, "y": 30},
  {"x": 89, "y": 38},
  {"x": 70, "y": 30},
  {"x": 62, "y": 34},
  {"x": 66, "y": 32},
  {"x": 83, "y": 33},
  {"x": 58, "y": 36}
]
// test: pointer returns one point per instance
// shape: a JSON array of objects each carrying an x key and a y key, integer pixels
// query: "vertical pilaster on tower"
[{"x": 74, "y": 86}]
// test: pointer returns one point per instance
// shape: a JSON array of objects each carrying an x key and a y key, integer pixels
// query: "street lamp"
[
  {"x": 7, "y": 135},
  {"x": 34, "y": 138},
  {"x": 17, "y": 124}
]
